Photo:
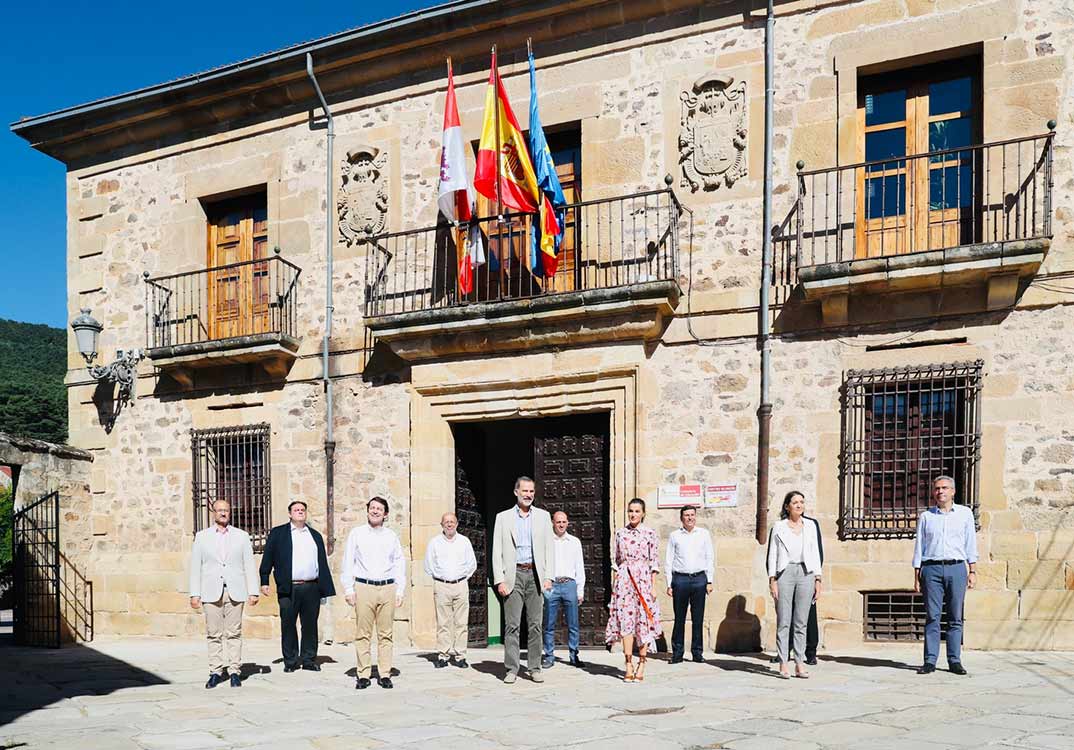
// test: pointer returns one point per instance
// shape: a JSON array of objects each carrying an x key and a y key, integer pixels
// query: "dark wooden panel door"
[
  {"x": 472, "y": 525},
  {"x": 570, "y": 474}
]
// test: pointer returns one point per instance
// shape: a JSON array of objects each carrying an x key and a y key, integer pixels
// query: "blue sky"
[{"x": 64, "y": 53}]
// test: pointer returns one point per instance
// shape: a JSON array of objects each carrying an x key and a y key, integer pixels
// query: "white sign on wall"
[
  {"x": 678, "y": 495},
  {"x": 721, "y": 495}
]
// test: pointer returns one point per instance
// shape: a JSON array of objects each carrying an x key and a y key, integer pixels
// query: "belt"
[
  {"x": 308, "y": 580},
  {"x": 563, "y": 579},
  {"x": 941, "y": 562},
  {"x": 524, "y": 566},
  {"x": 368, "y": 582},
  {"x": 688, "y": 575},
  {"x": 444, "y": 580}
]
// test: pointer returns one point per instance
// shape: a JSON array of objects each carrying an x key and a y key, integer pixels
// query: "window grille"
[
  {"x": 232, "y": 463},
  {"x": 902, "y": 428},
  {"x": 897, "y": 616}
]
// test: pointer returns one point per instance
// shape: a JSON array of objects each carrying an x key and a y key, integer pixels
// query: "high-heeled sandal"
[
  {"x": 639, "y": 675},
  {"x": 629, "y": 677}
]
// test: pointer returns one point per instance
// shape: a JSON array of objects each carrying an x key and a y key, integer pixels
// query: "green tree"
[{"x": 33, "y": 398}]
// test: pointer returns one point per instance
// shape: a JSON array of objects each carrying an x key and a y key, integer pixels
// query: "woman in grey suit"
[{"x": 794, "y": 578}]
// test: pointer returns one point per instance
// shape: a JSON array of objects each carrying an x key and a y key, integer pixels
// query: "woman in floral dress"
[{"x": 633, "y": 610}]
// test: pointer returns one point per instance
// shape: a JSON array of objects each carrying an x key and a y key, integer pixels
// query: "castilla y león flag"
[
  {"x": 502, "y": 155},
  {"x": 455, "y": 194}
]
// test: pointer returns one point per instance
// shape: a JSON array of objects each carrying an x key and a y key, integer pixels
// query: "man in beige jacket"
[
  {"x": 522, "y": 572},
  {"x": 222, "y": 579}
]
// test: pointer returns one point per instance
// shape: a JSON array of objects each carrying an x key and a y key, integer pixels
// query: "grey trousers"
[
  {"x": 526, "y": 593},
  {"x": 795, "y": 595}
]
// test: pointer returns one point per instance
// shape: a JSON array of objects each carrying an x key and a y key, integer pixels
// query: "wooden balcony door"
[
  {"x": 914, "y": 205},
  {"x": 239, "y": 298},
  {"x": 511, "y": 243}
]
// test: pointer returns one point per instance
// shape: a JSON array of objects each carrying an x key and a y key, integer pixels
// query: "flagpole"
[{"x": 499, "y": 145}]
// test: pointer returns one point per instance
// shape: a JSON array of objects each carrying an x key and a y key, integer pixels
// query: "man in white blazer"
[
  {"x": 222, "y": 579},
  {"x": 522, "y": 572}
]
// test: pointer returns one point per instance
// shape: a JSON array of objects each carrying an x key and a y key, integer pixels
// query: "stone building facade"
[{"x": 883, "y": 283}]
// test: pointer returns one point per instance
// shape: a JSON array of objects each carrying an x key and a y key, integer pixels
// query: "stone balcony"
[
  {"x": 975, "y": 216},
  {"x": 616, "y": 280},
  {"x": 238, "y": 314}
]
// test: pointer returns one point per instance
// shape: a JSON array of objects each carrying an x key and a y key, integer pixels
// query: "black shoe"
[
  {"x": 289, "y": 668},
  {"x": 676, "y": 660},
  {"x": 312, "y": 667},
  {"x": 811, "y": 661},
  {"x": 362, "y": 683},
  {"x": 385, "y": 682},
  {"x": 461, "y": 663},
  {"x": 698, "y": 659},
  {"x": 956, "y": 667},
  {"x": 927, "y": 669},
  {"x": 440, "y": 663},
  {"x": 214, "y": 680},
  {"x": 774, "y": 660},
  {"x": 576, "y": 662},
  {"x": 236, "y": 680}
]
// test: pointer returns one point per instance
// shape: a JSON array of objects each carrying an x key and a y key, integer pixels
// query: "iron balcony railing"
[
  {"x": 988, "y": 193},
  {"x": 606, "y": 243},
  {"x": 240, "y": 299}
]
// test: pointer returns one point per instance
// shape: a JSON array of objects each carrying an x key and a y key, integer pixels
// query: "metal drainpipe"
[
  {"x": 764, "y": 411},
  {"x": 329, "y": 435}
]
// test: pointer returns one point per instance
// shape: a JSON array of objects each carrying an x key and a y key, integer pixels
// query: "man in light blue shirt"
[{"x": 946, "y": 545}]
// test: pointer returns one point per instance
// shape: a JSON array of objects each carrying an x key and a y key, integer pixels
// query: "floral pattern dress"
[{"x": 637, "y": 551}]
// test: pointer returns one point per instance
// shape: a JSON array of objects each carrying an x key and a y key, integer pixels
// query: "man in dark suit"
[
  {"x": 295, "y": 552},
  {"x": 812, "y": 628}
]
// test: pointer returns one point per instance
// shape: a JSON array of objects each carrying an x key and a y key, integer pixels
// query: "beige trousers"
[
  {"x": 452, "y": 602},
  {"x": 374, "y": 607},
  {"x": 223, "y": 628}
]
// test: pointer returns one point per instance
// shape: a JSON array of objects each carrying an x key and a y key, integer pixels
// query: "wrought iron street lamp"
[{"x": 121, "y": 372}]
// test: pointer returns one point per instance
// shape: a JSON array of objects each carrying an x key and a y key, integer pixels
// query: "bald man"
[{"x": 450, "y": 561}]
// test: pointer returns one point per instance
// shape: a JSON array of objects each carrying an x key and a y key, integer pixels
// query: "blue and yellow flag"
[{"x": 545, "y": 235}]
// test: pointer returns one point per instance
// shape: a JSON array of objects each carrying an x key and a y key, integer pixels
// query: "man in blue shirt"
[{"x": 945, "y": 547}]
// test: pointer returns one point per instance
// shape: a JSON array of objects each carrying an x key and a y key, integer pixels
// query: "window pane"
[
  {"x": 889, "y": 106},
  {"x": 950, "y": 187},
  {"x": 884, "y": 144},
  {"x": 955, "y": 95},
  {"x": 948, "y": 134},
  {"x": 885, "y": 197}
]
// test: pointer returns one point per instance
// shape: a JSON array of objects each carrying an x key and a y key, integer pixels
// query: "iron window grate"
[
  {"x": 897, "y": 616},
  {"x": 901, "y": 428},
  {"x": 232, "y": 463}
]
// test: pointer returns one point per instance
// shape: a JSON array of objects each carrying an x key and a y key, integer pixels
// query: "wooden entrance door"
[
  {"x": 472, "y": 525},
  {"x": 238, "y": 293},
  {"x": 570, "y": 474}
]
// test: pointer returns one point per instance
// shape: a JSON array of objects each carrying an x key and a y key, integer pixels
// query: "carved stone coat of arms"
[
  {"x": 363, "y": 201},
  {"x": 712, "y": 139}
]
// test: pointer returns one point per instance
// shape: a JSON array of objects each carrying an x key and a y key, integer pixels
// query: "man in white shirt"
[
  {"x": 568, "y": 590},
  {"x": 450, "y": 561},
  {"x": 295, "y": 554},
  {"x": 945, "y": 558},
  {"x": 688, "y": 566},
  {"x": 222, "y": 578},
  {"x": 374, "y": 580}
]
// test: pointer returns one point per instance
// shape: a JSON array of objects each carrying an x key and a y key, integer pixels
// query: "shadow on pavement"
[
  {"x": 35, "y": 678},
  {"x": 865, "y": 661}
]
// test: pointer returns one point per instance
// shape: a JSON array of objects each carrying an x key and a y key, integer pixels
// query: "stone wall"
[{"x": 694, "y": 415}]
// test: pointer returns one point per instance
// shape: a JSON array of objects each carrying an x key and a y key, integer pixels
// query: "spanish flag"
[{"x": 504, "y": 169}]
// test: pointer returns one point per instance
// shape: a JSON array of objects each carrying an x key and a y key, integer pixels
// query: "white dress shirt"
[
  {"x": 690, "y": 552},
  {"x": 567, "y": 560},
  {"x": 303, "y": 555},
  {"x": 375, "y": 555},
  {"x": 946, "y": 536},
  {"x": 450, "y": 559}
]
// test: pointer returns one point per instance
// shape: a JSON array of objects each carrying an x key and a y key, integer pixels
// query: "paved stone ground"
[{"x": 148, "y": 694}]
